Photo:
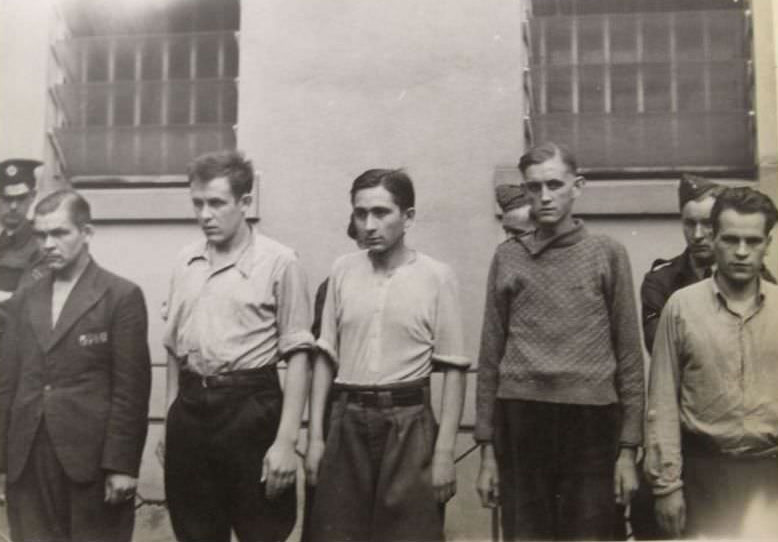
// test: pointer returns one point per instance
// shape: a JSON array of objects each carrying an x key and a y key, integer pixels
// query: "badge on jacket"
[{"x": 90, "y": 339}]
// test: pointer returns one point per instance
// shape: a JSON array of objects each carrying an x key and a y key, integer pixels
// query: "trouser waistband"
[
  {"x": 244, "y": 378},
  {"x": 416, "y": 392}
]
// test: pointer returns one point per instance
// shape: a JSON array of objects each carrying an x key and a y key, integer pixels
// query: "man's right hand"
[
  {"x": 312, "y": 460},
  {"x": 2, "y": 489},
  {"x": 671, "y": 513},
  {"x": 488, "y": 483}
]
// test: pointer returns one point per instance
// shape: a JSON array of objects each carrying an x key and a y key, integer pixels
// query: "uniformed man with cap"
[
  {"x": 18, "y": 250},
  {"x": 515, "y": 207},
  {"x": 696, "y": 196}
]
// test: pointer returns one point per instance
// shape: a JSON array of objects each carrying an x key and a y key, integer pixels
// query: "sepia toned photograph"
[{"x": 371, "y": 270}]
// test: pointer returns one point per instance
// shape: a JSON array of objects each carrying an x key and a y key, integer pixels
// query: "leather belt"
[{"x": 385, "y": 398}]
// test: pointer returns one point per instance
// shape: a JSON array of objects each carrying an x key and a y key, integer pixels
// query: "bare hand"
[
  {"x": 444, "y": 476},
  {"x": 312, "y": 460},
  {"x": 671, "y": 513},
  {"x": 2, "y": 488},
  {"x": 279, "y": 468},
  {"x": 119, "y": 488},
  {"x": 488, "y": 484},
  {"x": 625, "y": 479}
]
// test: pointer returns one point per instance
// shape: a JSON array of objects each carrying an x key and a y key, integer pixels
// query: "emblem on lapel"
[{"x": 90, "y": 339}]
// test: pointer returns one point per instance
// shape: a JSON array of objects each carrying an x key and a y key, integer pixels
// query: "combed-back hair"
[
  {"x": 232, "y": 165},
  {"x": 396, "y": 182},
  {"x": 744, "y": 200},
  {"x": 545, "y": 152},
  {"x": 76, "y": 205}
]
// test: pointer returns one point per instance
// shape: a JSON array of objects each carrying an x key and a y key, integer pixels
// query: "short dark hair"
[
  {"x": 744, "y": 200},
  {"x": 396, "y": 182},
  {"x": 545, "y": 152},
  {"x": 76, "y": 205},
  {"x": 232, "y": 165}
]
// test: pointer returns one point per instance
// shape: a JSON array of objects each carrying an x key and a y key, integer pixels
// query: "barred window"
[
  {"x": 142, "y": 87},
  {"x": 644, "y": 87}
]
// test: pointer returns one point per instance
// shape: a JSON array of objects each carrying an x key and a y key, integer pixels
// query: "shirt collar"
[
  {"x": 243, "y": 262},
  {"x": 567, "y": 237},
  {"x": 719, "y": 295}
]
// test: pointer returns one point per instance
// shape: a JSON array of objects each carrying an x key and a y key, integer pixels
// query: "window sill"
[
  {"x": 141, "y": 204},
  {"x": 620, "y": 197}
]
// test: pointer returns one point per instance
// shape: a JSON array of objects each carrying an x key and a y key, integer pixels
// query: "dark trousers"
[
  {"x": 44, "y": 505},
  {"x": 556, "y": 464},
  {"x": 720, "y": 490},
  {"x": 375, "y": 479},
  {"x": 216, "y": 440}
]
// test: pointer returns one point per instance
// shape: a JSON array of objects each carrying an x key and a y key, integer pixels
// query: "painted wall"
[{"x": 327, "y": 90}]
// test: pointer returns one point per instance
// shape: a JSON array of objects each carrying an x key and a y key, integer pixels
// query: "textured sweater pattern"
[{"x": 561, "y": 326}]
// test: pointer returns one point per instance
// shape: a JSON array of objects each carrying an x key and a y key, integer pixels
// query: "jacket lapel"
[
  {"x": 85, "y": 294},
  {"x": 40, "y": 310}
]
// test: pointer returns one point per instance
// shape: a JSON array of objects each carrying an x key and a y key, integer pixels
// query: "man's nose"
[
  {"x": 205, "y": 212},
  {"x": 742, "y": 249},
  {"x": 699, "y": 231},
  {"x": 48, "y": 242},
  {"x": 545, "y": 193},
  {"x": 371, "y": 223}
]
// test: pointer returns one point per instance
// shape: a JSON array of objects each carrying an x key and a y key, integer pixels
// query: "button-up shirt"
[
  {"x": 385, "y": 328},
  {"x": 245, "y": 314},
  {"x": 714, "y": 373}
]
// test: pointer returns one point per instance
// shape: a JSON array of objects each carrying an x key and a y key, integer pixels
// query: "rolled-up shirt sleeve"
[
  {"x": 294, "y": 315},
  {"x": 328, "y": 335},
  {"x": 448, "y": 337},
  {"x": 663, "y": 461}
]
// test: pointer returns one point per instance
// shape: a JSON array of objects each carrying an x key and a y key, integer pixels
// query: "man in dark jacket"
[{"x": 74, "y": 389}]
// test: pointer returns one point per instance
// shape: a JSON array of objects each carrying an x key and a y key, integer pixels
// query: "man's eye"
[{"x": 533, "y": 187}]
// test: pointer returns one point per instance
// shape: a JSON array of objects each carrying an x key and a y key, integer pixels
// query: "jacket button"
[{"x": 47, "y": 387}]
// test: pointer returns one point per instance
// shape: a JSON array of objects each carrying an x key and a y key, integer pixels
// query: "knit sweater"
[{"x": 560, "y": 326}]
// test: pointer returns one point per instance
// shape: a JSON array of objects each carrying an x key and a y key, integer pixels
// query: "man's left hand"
[
  {"x": 279, "y": 468},
  {"x": 626, "y": 480},
  {"x": 119, "y": 488},
  {"x": 444, "y": 476}
]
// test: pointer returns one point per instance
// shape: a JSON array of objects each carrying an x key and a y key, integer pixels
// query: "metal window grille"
[
  {"x": 644, "y": 87},
  {"x": 140, "y": 92}
]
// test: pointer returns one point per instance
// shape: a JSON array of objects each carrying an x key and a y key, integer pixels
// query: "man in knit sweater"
[{"x": 560, "y": 377}]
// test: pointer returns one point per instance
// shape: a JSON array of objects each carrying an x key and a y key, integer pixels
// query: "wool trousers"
[
  {"x": 216, "y": 440},
  {"x": 45, "y": 505},
  {"x": 556, "y": 464},
  {"x": 375, "y": 478}
]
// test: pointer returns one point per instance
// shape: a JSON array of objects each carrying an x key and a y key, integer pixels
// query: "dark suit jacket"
[{"x": 88, "y": 378}]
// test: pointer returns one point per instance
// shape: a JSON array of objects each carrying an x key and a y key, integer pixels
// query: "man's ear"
[
  {"x": 410, "y": 216},
  {"x": 88, "y": 230},
  {"x": 578, "y": 183},
  {"x": 245, "y": 201}
]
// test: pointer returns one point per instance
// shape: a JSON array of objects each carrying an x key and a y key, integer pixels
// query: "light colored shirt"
[
  {"x": 245, "y": 314},
  {"x": 714, "y": 373},
  {"x": 380, "y": 329}
]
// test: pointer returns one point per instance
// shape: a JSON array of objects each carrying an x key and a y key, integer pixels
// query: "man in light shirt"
[
  {"x": 238, "y": 305},
  {"x": 390, "y": 314},
  {"x": 712, "y": 420}
]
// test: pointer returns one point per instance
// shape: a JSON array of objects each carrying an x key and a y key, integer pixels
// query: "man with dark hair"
[
  {"x": 712, "y": 420},
  {"x": 74, "y": 389},
  {"x": 560, "y": 375},
  {"x": 696, "y": 196},
  {"x": 390, "y": 314},
  {"x": 18, "y": 250},
  {"x": 238, "y": 305}
]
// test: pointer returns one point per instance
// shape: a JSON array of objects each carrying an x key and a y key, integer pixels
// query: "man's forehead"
[
  {"x": 698, "y": 208},
  {"x": 16, "y": 190},
  {"x": 553, "y": 168},
  {"x": 731, "y": 219},
  {"x": 55, "y": 220}
]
